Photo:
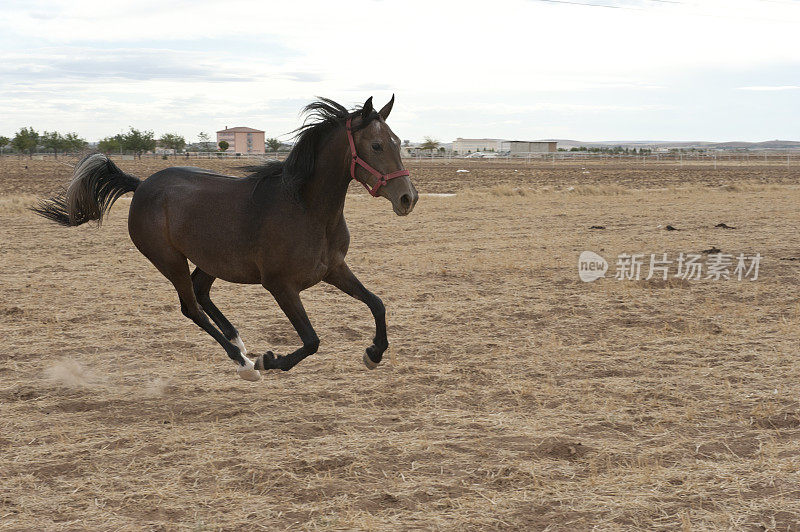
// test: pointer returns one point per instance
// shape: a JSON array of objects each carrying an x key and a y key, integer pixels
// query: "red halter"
[{"x": 382, "y": 178}]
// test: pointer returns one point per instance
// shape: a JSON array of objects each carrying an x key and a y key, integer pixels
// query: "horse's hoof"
[
  {"x": 369, "y": 363},
  {"x": 251, "y": 375},
  {"x": 265, "y": 362},
  {"x": 248, "y": 372}
]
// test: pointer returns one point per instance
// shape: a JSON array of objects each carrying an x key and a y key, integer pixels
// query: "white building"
[{"x": 465, "y": 146}]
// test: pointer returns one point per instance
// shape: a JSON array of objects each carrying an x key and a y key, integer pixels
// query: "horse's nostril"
[{"x": 405, "y": 201}]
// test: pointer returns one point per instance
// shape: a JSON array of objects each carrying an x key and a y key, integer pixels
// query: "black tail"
[{"x": 96, "y": 184}]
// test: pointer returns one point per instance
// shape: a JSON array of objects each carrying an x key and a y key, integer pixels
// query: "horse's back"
[
  {"x": 184, "y": 175},
  {"x": 187, "y": 185}
]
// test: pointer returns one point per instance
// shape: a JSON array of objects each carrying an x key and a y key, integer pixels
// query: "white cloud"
[{"x": 66, "y": 60}]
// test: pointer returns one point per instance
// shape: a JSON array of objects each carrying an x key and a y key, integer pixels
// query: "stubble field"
[{"x": 514, "y": 396}]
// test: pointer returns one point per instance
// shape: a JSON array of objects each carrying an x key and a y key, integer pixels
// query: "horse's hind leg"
[
  {"x": 175, "y": 268},
  {"x": 201, "y": 281}
]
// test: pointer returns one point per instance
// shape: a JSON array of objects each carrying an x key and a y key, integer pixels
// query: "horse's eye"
[{"x": 377, "y": 146}]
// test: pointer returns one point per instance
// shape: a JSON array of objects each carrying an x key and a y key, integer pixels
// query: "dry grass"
[
  {"x": 17, "y": 203},
  {"x": 514, "y": 396},
  {"x": 24, "y": 176},
  {"x": 580, "y": 190}
]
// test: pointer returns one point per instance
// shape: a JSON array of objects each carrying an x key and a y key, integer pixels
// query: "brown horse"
[{"x": 282, "y": 227}]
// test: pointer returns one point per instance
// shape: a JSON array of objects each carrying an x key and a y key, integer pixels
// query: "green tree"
[
  {"x": 430, "y": 144},
  {"x": 4, "y": 141},
  {"x": 73, "y": 143},
  {"x": 223, "y": 145},
  {"x": 54, "y": 141},
  {"x": 273, "y": 144},
  {"x": 110, "y": 144},
  {"x": 26, "y": 140},
  {"x": 173, "y": 141},
  {"x": 138, "y": 142},
  {"x": 204, "y": 140}
]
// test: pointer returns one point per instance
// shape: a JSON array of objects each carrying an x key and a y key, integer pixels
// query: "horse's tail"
[{"x": 96, "y": 184}]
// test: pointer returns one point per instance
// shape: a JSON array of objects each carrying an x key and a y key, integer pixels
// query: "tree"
[
  {"x": 273, "y": 144},
  {"x": 223, "y": 145},
  {"x": 204, "y": 140},
  {"x": 430, "y": 144},
  {"x": 138, "y": 142},
  {"x": 4, "y": 141},
  {"x": 73, "y": 142},
  {"x": 173, "y": 141},
  {"x": 53, "y": 140},
  {"x": 110, "y": 144},
  {"x": 26, "y": 140}
]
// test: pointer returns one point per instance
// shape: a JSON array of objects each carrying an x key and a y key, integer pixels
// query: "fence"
[
  {"x": 128, "y": 156},
  {"x": 770, "y": 158}
]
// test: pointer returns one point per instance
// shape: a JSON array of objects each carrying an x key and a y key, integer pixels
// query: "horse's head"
[{"x": 375, "y": 158}]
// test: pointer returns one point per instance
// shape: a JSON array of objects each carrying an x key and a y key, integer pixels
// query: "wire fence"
[{"x": 769, "y": 158}]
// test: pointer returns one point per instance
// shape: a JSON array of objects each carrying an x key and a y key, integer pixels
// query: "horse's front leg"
[
  {"x": 343, "y": 279},
  {"x": 290, "y": 303}
]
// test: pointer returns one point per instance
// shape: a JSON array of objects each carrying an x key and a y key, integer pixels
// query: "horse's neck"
[{"x": 325, "y": 192}]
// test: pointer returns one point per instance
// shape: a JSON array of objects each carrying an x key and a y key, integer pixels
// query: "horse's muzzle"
[{"x": 406, "y": 203}]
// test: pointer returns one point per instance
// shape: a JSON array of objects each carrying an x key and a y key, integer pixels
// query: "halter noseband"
[{"x": 382, "y": 178}]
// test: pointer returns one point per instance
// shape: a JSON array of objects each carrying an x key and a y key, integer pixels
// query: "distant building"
[
  {"x": 464, "y": 146},
  {"x": 524, "y": 146},
  {"x": 242, "y": 139}
]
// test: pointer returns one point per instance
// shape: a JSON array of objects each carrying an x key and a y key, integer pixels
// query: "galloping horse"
[{"x": 282, "y": 226}]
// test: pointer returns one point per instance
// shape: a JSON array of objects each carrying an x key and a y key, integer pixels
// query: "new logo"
[{"x": 591, "y": 266}]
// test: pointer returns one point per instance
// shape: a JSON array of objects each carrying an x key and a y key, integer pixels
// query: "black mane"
[{"x": 322, "y": 117}]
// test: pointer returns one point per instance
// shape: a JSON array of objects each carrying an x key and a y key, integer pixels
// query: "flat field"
[{"x": 514, "y": 396}]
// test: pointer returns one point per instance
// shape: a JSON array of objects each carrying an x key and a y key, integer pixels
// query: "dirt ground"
[{"x": 514, "y": 396}]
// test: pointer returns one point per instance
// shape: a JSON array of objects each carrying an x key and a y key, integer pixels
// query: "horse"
[{"x": 281, "y": 226}]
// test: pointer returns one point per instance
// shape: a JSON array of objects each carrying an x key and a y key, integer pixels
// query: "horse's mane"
[{"x": 322, "y": 117}]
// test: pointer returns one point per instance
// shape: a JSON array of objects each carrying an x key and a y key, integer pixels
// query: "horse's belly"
[
  {"x": 314, "y": 276},
  {"x": 298, "y": 267},
  {"x": 234, "y": 271},
  {"x": 218, "y": 250}
]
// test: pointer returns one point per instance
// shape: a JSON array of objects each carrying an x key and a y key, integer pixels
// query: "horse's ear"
[
  {"x": 367, "y": 109},
  {"x": 384, "y": 112}
]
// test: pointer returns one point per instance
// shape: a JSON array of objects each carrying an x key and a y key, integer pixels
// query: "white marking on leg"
[
  {"x": 248, "y": 372},
  {"x": 238, "y": 343}
]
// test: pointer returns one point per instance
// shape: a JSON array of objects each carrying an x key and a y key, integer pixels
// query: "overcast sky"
[{"x": 596, "y": 70}]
